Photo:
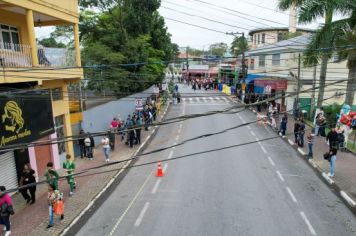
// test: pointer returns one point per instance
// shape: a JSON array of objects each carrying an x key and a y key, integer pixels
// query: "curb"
[
  {"x": 349, "y": 202},
  {"x": 112, "y": 180}
]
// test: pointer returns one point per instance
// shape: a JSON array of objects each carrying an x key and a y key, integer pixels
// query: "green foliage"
[
  {"x": 330, "y": 114},
  {"x": 126, "y": 32},
  {"x": 218, "y": 49},
  {"x": 51, "y": 43},
  {"x": 239, "y": 45}
]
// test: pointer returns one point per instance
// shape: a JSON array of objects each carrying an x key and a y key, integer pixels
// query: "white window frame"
[
  {"x": 260, "y": 64},
  {"x": 263, "y": 40},
  {"x": 276, "y": 61},
  {"x": 10, "y": 31}
]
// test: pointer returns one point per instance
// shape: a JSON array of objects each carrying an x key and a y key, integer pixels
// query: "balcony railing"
[{"x": 19, "y": 55}]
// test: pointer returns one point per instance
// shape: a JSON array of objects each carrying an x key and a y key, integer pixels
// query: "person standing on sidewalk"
[
  {"x": 89, "y": 145},
  {"x": 28, "y": 177},
  {"x": 283, "y": 127},
  {"x": 106, "y": 147},
  {"x": 333, "y": 139},
  {"x": 332, "y": 160},
  {"x": 138, "y": 129},
  {"x": 6, "y": 209},
  {"x": 310, "y": 140},
  {"x": 81, "y": 143},
  {"x": 296, "y": 130},
  {"x": 52, "y": 175},
  {"x": 69, "y": 166},
  {"x": 301, "y": 133}
]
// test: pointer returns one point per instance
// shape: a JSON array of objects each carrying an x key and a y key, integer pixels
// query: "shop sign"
[
  {"x": 277, "y": 85},
  {"x": 25, "y": 117},
  {"x": 139, "y": 104}
]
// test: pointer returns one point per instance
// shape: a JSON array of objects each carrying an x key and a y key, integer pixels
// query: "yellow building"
[{"x": 29, "y": 67}]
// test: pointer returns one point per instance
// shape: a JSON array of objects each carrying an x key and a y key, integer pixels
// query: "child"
[
  {"x": 52, "y": 175},
  {"x": 69, "y": 165}
]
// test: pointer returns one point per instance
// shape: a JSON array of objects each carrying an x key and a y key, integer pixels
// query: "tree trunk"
[
  {"x": 323, "y": 69},
  {"x": 351, "y": 85}
]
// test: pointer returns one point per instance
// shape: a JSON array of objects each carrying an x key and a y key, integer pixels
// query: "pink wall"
[{"x": 54, "y": 153}]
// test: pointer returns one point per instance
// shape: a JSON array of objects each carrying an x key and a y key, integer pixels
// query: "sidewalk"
[
  {"x": 33, "y": 219},
  {"x": 345, "y": 167}
]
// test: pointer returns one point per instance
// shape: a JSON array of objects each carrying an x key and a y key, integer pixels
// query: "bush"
[{"x": 330, "y": 113}]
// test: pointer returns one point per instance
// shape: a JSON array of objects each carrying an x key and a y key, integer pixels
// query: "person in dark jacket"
[
  {"x": 333, "y": 139},
  {"x": 301, "y": 133},
  {"x": 28, "y": 177},
  {"x": 296, "y": 130},
  {"x": 283, "y": 127},
  {"x": 82, "y": 144}
]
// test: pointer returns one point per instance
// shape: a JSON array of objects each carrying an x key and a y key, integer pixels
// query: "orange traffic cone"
[{"x": 159, "y": 170}]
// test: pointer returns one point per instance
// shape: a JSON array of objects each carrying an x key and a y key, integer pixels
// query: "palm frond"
[
  {"x": 311, "y": 10},
  {"x": 286, "y": 4}
]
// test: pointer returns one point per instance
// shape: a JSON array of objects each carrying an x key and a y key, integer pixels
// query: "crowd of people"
[
  {"x": 335, "y": 137},
  {"x": 129, "y": 131}
]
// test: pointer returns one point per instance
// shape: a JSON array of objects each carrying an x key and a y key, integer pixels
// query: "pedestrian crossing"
[{"x": 206, "y": 100}]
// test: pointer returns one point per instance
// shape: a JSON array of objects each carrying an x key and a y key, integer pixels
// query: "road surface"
[{"x": 263, "y": 188}]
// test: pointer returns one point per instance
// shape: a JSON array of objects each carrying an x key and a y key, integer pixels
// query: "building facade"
[
  {"x": 276, "y": 66},
  {"x": 29, "y": 68}
]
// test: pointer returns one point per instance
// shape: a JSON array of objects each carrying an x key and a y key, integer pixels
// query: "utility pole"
[
  {"x": 298, "y": 78},
  {"x": 187, "y": 61}
]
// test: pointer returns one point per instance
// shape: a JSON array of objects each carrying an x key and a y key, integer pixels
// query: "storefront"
[
  {"x": 272, "y": 88},
  {"x": 25, "y": 118}
]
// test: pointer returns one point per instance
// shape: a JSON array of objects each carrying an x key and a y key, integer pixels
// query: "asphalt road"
[{"x": 263, "y": 188}]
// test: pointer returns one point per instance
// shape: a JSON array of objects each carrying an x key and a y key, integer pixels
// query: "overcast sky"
[{"x": 263, "y": 12}]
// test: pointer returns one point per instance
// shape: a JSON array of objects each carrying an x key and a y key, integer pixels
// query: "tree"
[
  {"x": 51, "y": 43},
  {"x": 218, "y": 49},
  {"x": 239, "y": 45},
  {"x": 309, "y": 11}
]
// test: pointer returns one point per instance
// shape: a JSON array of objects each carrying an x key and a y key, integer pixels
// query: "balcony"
[{"x": 19, "y": 56}]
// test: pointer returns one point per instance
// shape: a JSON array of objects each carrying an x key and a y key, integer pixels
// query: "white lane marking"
[
  {"x": 177, "y": 137},
  {"x": 155, "y": 187},
  {"x": 179, "y": 130},
  {"x": 190, "y": 99},
  {"x": 130, "y": 205},
  {"x": 243, "y": 120},
  {"x": 225, "y": 99},
  {"x": 183, "y": 99},
  {"x": 263, "y": 148},
  {"x": 170, "y": 155},
  {"x": 291, "y": 194},
  {"x": 142, "y": 214},
  {"x": 180, "y": 125},
  {"x": 248, "y": 127},
  {"x": 280, "y": 175},
  {"x": 165, "y": 167},
  {"x": 310, "y": 227},
  {"x": 257, "y": 139},
  {"x": 197, "y": 99},
  {"x": 301, "y": 151},
  {"x": 271, "y": 161},
  {"x": 253, "y": 133},
  {"x": 211, "y": 98}
]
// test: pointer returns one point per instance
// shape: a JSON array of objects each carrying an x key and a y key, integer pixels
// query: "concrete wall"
[{"x": 97, "y": 119}]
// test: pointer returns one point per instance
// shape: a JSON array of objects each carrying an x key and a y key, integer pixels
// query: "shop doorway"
[{"x": 21, "y": 158}]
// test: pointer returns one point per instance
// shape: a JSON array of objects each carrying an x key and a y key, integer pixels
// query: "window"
[
  {"x": 56, "y": 94},
  {"x": 263, "y": 38},
  {"x": 261, "y": 61},
  {"x": 252, "y": 64},
  {"x": 259, "y": 39},
  {"x": 280, "y": 36},
  {"x": 9, "y": 37},
  {"x": 254, "y": 39},
  {"x": 59, "y": 127},
  {"x": 276, "y": 59}
]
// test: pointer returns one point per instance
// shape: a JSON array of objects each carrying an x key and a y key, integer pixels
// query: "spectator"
[
  {"x": 310, "y": 140},
  {"x": 301, "y": 133},
  {"x": 106, "y": 147},
  {"x": 6, "y": 209},
  {"x": 52, "y": 175},
  {"x": 283, "y": 127},
  {"x": 332, "y": 160},
  {"x": 296, "y": 130},
  {"x": 114, "y": 125},
  {"x": 138, "y": 129},
  {"x": 28, "y": 177},
  {"x": 333, "y": 139},
  {"x": 82, "y": 144},
  {"x": 89, "y": 145}
]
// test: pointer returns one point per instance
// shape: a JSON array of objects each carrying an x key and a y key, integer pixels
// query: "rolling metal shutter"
[{"x": 8, "y": 175}]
